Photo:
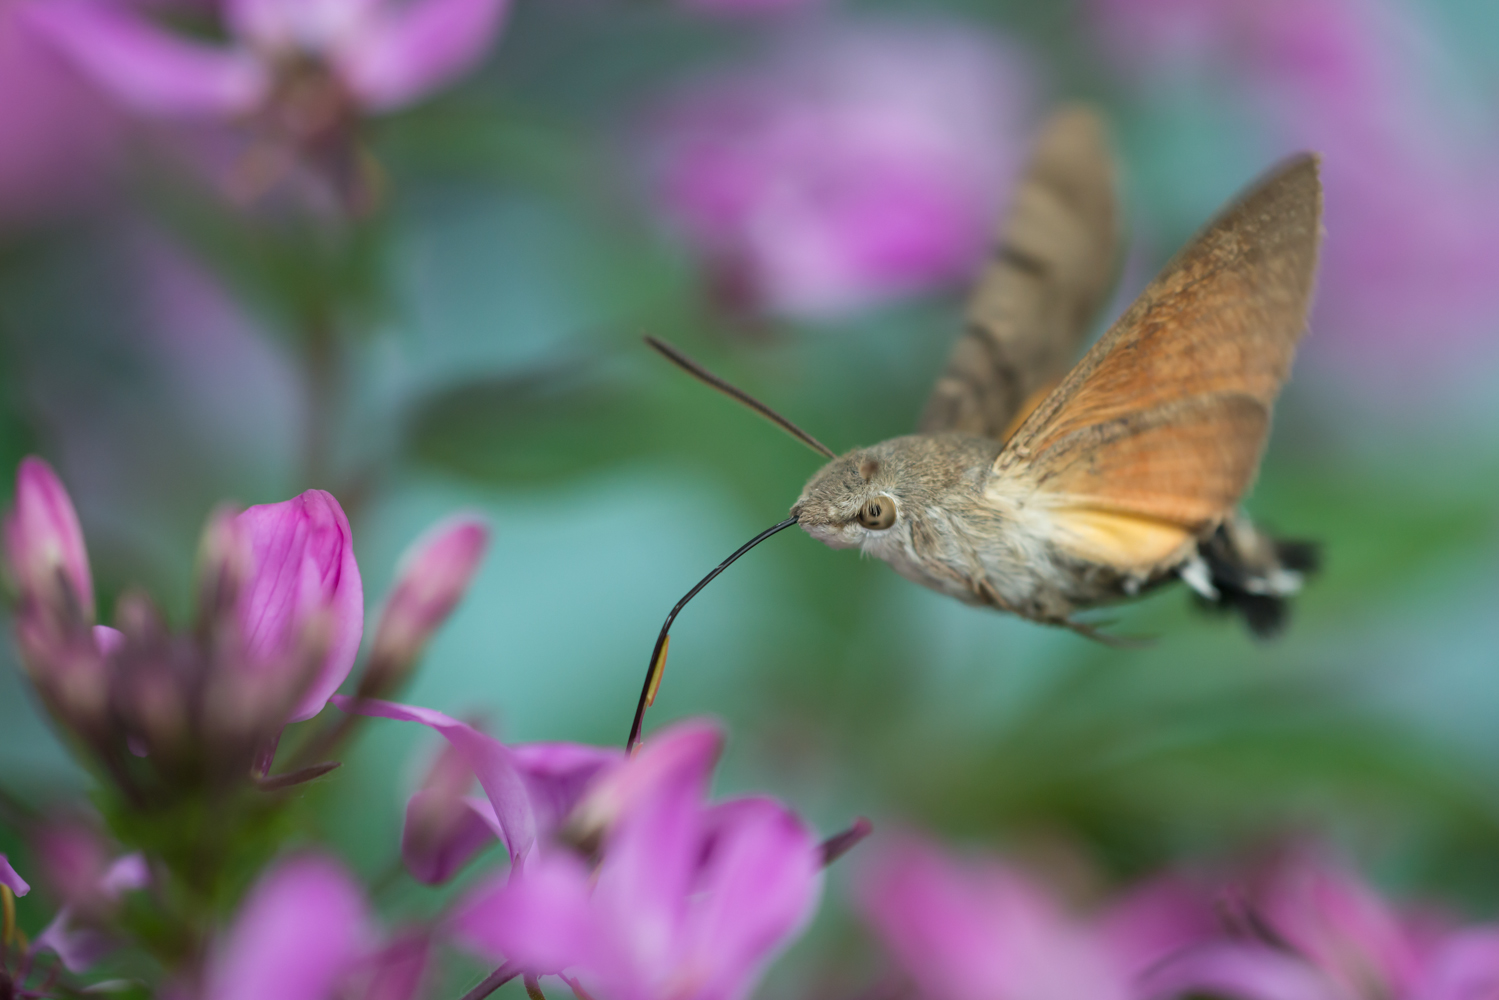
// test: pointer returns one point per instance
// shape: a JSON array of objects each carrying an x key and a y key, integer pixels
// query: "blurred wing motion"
[
  {"x": 1154, "y": 437},
  {"x": 1052, "y": 265}
]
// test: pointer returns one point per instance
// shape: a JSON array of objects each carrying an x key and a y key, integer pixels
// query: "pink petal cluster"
[
  {"x": 981, "y": 930},
  {"x": 305, "y": 933},
  {"x": 1412, "y": 212},
  {"x": 690, "y": 900},
  {"x": 1305, "y": 928},
  {"x": 296, "y": 593},
  {"x": 382, "y": 54},
  {"x": 855, "y": 165},
  {"x": 76, "y": 861},
  {"x": 529, "y": 789},
  {"x": 1320, "y": 933}
]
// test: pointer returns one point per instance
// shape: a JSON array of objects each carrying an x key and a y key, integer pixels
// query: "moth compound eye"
[{"x": 877, "y": 514}]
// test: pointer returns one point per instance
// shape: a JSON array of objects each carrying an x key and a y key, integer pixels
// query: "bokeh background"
[{"x": 796, "y": 193}]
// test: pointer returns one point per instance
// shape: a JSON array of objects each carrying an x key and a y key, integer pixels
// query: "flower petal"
[
  {"x": 303, "y": 558},
  {"x": 558, "y": 776},
  {"x": 10, "y": 879},
  {"x": 758, "y": 889},
  {"x": 974, "y": 931},
  {"x": 1240, "y": 972},
  {"x": 303, "y": 927},
  {"x": 410, "y": 51},
  {"x": 148, "y": 68},
  {"x": 1465, "y": 965},
  {"x": 312, "y": 27},
  {"x": 441, "y": 834},
  {"x": 491, "y": 761},
  {"x": 540, "y": 919},
  {"x": 43, "y": 540}
]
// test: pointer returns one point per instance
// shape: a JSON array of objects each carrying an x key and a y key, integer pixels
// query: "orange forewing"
[{"x": 1166, "y": 417}]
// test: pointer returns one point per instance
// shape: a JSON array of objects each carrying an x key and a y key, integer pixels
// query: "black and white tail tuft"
[{"x": 1242, "y": 569}]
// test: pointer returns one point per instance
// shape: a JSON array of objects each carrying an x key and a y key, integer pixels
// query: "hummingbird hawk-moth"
[{"x": 1042, "y": 491}]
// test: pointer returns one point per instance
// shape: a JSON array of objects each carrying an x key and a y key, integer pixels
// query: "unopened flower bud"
[
  {"x": 44, "y": 547},
  {"x": 302, "y": 568},
  {"x": 431, "y": 579}
]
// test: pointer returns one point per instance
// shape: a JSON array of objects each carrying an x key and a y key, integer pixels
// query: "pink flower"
[
  {"x": 1317, "y": 932},
  {"x": 530, "y": 790},
  {"x": 431, "y": 579},
  {"x": 302, "y": 575},
  {"x": 979, "y": 930},
  {"x": 857, "y": 165},
  {"x": 305, "y": 933},
  {"x": 44, "y": 544},
  {"x": 76, "y": 860},
  {"x": 10, "y": 879},
  {"x": 57, "y": 145},
  {"x": 689, "y": 901},
  {"x": 380, "y": 54},
  {"x": 1412, "y": 213}
]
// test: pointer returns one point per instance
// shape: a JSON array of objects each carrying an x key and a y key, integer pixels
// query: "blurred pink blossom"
[
  {"x": 689, "y": 900},
  {"x": 1318, "y": 932},
  {"x": 10, "y": 879},
  {"x": 431, "y": 579},
  {"x": 381, "y": 55},
  {"x": 855, "y": 165},
  {"x": 58, "y": 144},
  {"x": 302, "y": 575},
  {"x": 529, "y": 789},
  {"x": 305, "y": 933},
  {"x": 76, "y": 860},
  {"x": 979, "y": 930},
  {"x": 1412, "y": 210}
]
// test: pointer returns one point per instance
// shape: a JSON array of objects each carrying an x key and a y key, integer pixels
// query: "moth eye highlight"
[{"x": 878, "y": 513}]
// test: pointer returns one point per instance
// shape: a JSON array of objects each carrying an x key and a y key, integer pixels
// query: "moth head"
[{"x": 856, "y": 499}]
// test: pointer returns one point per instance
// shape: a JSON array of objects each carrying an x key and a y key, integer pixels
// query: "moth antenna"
[
  {"x": 663, "y": 641},
  {"x": 706, "y": 377}
]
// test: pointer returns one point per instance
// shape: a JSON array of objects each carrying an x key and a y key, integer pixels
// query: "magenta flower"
[
  {"x": 91, "y": 890},
  {"x": 57, "y": 145},
  {"x": 1316, "y": 932},
  {"x": 530, "y": 790},
  {"x": 10, "y": 879},
  {"x": 690, "y": 901},
  {"x": 302, "y": 576},
  {"x": 305, "y": 933},
  {"x": 431, "y": 579},
  {"x": 44, "y": 547},
  {"x": 1412, "y": 213},
  {"x": 376, "y": 54},
  {"x": 855, "y": 166},
  {"x": 979, "y": 930}
]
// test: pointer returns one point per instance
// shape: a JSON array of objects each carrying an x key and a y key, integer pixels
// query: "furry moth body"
[{"x": 1041, "y": 491}]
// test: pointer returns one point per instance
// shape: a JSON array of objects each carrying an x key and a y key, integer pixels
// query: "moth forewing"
[{"x": 1165, "y": 418}]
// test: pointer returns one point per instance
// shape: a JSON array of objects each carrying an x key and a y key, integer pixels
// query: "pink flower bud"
[
  {"x": 432, "y": 578},
  {"x": 303, "y": 587},
  {"x": 44, "y": 544}
]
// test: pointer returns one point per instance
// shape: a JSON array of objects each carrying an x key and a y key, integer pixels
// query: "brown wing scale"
[
  {"x": 1052, "y": 265},
  {"x": 1163, "y": 422}
]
